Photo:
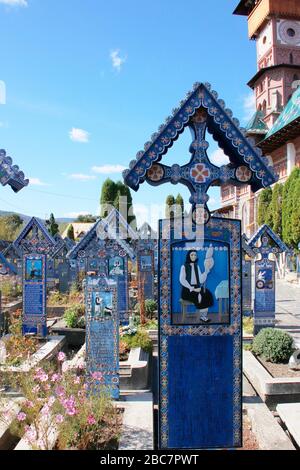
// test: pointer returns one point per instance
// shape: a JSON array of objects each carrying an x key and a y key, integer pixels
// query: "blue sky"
[{"x": 88, "y": 82}]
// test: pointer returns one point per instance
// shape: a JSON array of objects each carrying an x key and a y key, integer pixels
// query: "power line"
[{"x": 61, "y": 195}]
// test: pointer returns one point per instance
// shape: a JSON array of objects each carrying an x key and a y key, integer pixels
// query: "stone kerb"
[
  {"x": 134, "y": 372},
  {"x": 271, "y": 390},
  {"x": 46, "y": 352},
  {"x": 290, "y": 415}
]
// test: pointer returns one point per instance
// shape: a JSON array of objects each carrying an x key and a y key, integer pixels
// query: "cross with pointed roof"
[
  {"x": 11, "y": 174},
  {"x": 201, "y": 111},
  {"x": 265, "y": 234}
]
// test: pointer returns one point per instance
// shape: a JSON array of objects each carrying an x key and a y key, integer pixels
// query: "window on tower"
[
  {"x": 291, "y": 32},
  {"x": 291, "y": 58}
]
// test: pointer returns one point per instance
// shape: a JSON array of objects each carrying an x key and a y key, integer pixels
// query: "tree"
[
  {"x": 108, "y": 196},
  {"x": 290, "y": 208},
  {"x": 86, "y": 219},
  {"x": 52, "y": 226},
  {"x": 70, "y": 232},
  {"x": 118, "y": 196},
  {"x": 276, "y": 209},
  {"x": 170, "y": 203},
  {"x": 179, "y": 205},
  {"x": 264, "y": 214},
  {"x": 9, "y": 226}
]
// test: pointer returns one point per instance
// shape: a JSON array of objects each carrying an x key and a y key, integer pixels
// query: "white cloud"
[
  {"x": 21, "y": 3},
  {"x": 79, "y": 135},
  {"x": 36, "y": 181},
  {"x": 249, "y": 105},
  {"x": 108, "y": 169},
  {"x": 81, "y": 177},
  {"x": 117, "y": 60},
  {"x": 219, "y": 158}
]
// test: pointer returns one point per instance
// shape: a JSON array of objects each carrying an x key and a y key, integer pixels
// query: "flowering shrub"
[
  {"x": 18, "y": 347},
  {"x": 140, "y": 339},
  {"x": 127, "y": 330},
  {"x": 123, "y": 350},
  {"x": 61, "y": 404},
  {"x": 11, "y": 289},
  {"x": 74, "y": 316}
]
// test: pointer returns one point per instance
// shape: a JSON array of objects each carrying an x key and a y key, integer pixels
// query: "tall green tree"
[
  {"x": 70, "y": 232},
  {"x": 52, "y": 226},
  {"x": 118, "y": 196},
  {"x": 264, "y": 214},
  {"x": 290, "y": 208},
  {"x": 179, "y": 205},
  {"x": 276, "y": 209},
  {"x": 108, "y": 196},
  {"x": 170, "y": 206}
]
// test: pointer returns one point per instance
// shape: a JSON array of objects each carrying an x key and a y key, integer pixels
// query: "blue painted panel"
[
  {"x": 264, "y": 286},
  {"x": 200, "y": 386},
  {"x": 247, "y": 288},
  {"x": 34, "y": 295},
  {"x": 200, "y": 363},
  {"x": 102, "y": 337}
]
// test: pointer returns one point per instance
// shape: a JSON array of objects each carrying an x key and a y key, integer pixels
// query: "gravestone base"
[{"x": 267, "y": 321}]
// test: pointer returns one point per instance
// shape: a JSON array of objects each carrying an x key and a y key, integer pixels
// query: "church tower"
[{"x": 275, "y": 26}]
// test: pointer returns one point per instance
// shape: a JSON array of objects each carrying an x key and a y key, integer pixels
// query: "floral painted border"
[{"x": 234, "y": 329}]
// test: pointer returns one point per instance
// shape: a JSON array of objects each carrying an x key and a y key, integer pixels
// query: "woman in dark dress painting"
[{"x": 193, "y": 282}]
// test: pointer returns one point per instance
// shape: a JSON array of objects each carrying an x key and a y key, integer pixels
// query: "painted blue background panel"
[{"x": 200, "y": 385}]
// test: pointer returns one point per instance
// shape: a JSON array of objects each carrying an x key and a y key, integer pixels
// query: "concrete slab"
[
  {"x": 269, "y": 434},
  {"x": 137, "y": 430},
  {"x": 271, "y": 390},
  {"x": 9, "y": 408},
  {"x": 290, "y": 415},
  {"x": 46, "y": 352}
]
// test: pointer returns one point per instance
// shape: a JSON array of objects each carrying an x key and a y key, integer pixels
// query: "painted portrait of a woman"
[{"x": 193, "y": 282}]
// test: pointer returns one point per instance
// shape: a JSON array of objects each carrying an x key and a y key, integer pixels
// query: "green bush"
[
  {"x": 74, "y": 316},
  {"x": 248, "y": 325},
  {"x": 11, "y": 290},
  {"x": 274, "y": 345},
  {"x": 150, "y": 307},
  {"x": 140, "y": 340}
]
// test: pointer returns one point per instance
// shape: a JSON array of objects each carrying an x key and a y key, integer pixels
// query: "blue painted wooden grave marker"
[
  {"x": 102, "y": 336},
  {"x": 265, "y": 276},
  {"x": 103, "y": 252},
  {"x": 34, "y": 318},
  {"x": 247, "y": 277},
  {"x": 145, "y": 267},
  {"x": 200, "y": 314}
]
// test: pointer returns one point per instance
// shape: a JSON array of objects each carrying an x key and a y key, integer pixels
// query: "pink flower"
[
  {"x": 29, "y": 404},
  {"x": 21, "y": 416},
  {"x": 91, "y": 420},
  {"x": 51, "y": 401},
  {"x": 97, "y": 375},
  {"x": 60, "y": 391},
  {"x": 77, "y": 380},
  {"x": 59, "y": 419},
  {"x": 36, "y": 389},
  {"x": 41, "y": 375},
  {"x": 45, "y": 411},
  {"x": 61, "y": 356},
  {"x": 71, "y": 411},
  {"x": 55, "y": 377}
]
